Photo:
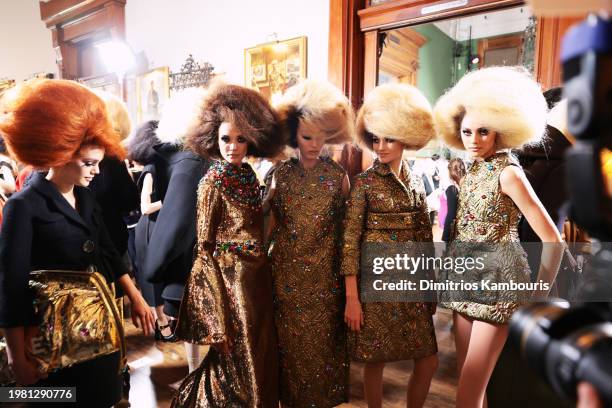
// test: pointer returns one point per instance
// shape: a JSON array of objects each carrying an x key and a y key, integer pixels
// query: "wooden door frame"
[{"x": 354, "y": 30}]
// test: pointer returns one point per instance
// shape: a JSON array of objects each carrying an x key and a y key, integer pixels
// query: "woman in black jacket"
[{"x": 56, "y": 224}]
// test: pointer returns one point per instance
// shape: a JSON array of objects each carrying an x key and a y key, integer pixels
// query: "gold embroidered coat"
[
  {"x": 308, "y": 291},
  {"x": 486, "y": 215},
  {"x": 228, "y": 296},
  {"x": 386, "y": 208}
]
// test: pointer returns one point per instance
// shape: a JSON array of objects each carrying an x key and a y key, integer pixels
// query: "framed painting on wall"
[
  {"x": 152, "y": 92},
  {"x": 273, "y": 67}
]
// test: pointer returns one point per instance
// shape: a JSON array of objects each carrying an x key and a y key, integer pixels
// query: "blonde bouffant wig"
[
  {"x": 179, "y": 116},
  {"x": 398, "y": 112},
  {"x": 320, "y": 104},
  {"x": 506, "y": 100},
  {"x": 45, "y": 122},
  {"x": 117, "y": 112}
]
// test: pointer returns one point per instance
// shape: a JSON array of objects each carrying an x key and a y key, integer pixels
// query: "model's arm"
[
  {"x": 7, "y": 183},
  {"x": 146, "y": 206},
  {"x": 514, "y": 183},
  {"x": 354, "y": 221}
]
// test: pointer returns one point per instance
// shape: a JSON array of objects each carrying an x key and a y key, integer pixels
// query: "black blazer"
[
  {"x": 117, "y": 195},
  {"x": 169, "y": 255},
  {"x": 42, "y": 231}
]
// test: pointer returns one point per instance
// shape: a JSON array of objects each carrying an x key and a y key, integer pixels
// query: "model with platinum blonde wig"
[
  {"x": 117, "y": 113},
  {"x": 307, "y": 196},
  {"x": 387, "y": 205},
  {"x": 486, "y": 113}
]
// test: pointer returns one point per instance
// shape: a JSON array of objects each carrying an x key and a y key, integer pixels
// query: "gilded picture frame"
[
  {"x": 273, "y": 67},
  {"x": 152, "y": 92}
]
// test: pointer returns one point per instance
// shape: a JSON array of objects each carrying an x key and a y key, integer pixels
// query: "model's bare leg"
[
  {"x": 162, "y": 319},
  {"x": 486, "y": 343},
  {"x": 462, "y": 329},
  {"x": 420, "y": 380},
  {"x": 193, "y": 355},
  {"x": 372, "y": 384}
]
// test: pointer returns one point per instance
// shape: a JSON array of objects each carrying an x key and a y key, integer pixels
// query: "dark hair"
[
  {"x": 553, "y": 96},
  {"x": 140, "y": 145},
  {"x": 292, "y": 123},
  {"x": 246, "y": 109},
  {"x": 435, "y": 156},
  {"x": 3, "y": 149},
  {"x": 456, "y": 170}
]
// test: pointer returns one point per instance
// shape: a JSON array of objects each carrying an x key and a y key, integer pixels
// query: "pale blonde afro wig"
[
  {"x": 180, "y": 115},
  {"x": 320, "y": 104},
  {"x": 506, "y": 100},
  {"x": 398, "y": 112},
  {"x": 117, "y": 113}
]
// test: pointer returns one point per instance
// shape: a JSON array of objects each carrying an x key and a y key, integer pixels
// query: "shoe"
[{"x": 171, "y": 338}]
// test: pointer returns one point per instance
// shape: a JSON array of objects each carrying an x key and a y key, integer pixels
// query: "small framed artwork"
[
  {"x": 152, "y": 92},
  {"x": 273, "y": 67}
]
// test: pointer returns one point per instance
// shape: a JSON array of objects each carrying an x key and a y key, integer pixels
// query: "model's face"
[
  {"x": 310, "y": 141},
  {"x": 478, "y": 140},
  {"x": 232, "y": 144},
  {"x": 83, "y": 167},
  {"x": 387, "y": 150}
]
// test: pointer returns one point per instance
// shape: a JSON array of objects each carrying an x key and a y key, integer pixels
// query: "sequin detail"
[
  {"x": 308, "y": 207},
  {"x": 378, "y": 207}
]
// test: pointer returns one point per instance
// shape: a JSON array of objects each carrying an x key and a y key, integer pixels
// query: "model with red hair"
[{"x": 55, "y": 223}]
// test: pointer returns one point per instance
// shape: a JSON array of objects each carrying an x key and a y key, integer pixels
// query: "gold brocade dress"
[
  {"x": 308, "y": 292},
  {"x": 486, "y": 215},
  {"x": 228, "y": 296},
  {"x": 385, "y": 208}
]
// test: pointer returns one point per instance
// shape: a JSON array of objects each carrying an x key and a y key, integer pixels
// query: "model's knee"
[{"x": 427, "y": 364}]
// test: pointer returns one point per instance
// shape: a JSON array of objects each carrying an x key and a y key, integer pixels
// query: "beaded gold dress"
[
  {"x": 308, "y": 206},
  {"x": 486, "y": 215},
  {"x": 386, "y": 208},
  {"x": 228, "y": 296}
]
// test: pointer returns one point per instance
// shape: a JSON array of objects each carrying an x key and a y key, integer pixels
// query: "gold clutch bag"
[{"x": 79, "y": 321}]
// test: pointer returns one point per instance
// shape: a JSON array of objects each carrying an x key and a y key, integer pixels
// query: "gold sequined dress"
[
  {"x": 308, "y": 291},
  {"x": 486, "y": 215},
  {"x": 228, "y": 296},
  {"x": 386, "y": 208}
]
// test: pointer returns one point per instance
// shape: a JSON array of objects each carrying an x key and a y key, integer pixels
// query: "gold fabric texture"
[
  {"x": 228, "y": 297},
  {"x": 486, "y": 215},
  {"x": 378, "y": 210},
  {"x": 79, "y": 321},
  {"x": 308, "y": 290}
]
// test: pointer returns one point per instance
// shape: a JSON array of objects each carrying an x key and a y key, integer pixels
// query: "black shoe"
[{"x": 171, "y": 338}]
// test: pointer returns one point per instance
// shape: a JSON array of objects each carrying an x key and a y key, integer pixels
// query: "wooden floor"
[{"x": 158, "y": 368}]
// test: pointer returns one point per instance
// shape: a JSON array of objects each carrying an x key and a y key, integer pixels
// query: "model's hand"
[
  {"x": 25, "y": 370},
  {"x": 353, "y": 315},
  {"x": 142, "y": 315}
]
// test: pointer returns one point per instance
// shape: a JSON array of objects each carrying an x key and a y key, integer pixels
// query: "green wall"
[{"x": 436, "y": 61}]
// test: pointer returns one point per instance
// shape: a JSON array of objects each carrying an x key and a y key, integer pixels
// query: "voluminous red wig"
[{"x": 46, "y": 121}]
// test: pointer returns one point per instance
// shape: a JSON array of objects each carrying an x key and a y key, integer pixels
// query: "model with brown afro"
[{"x": 247, "y": 110}]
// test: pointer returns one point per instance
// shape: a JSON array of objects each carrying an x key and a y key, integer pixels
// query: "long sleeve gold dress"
[
  {"x": 308, "y": 206},
  {"x": 386, "y": 208},
  {"x": 228, "y": 297}
]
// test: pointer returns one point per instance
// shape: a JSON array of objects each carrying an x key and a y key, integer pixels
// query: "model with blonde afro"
[
  {"x": 387, "y": 205},
  {"x": 307, "y": 196},
  {"x": 487, "y": 113}
]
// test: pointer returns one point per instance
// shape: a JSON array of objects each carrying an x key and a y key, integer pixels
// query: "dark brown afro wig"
[
  {"x": 45, "y": 122},
  {"x": 140, "y": 143},
  {"x": 246, "y": 109}
]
